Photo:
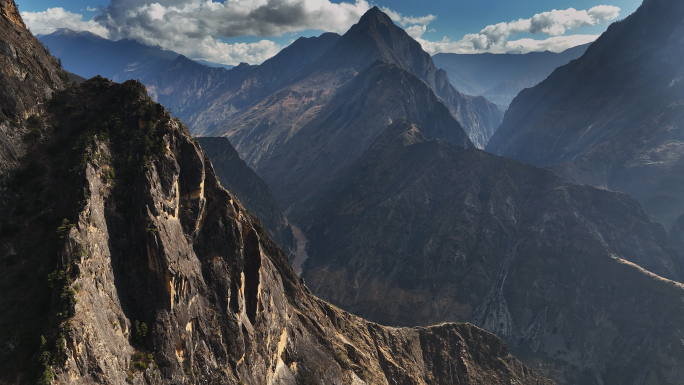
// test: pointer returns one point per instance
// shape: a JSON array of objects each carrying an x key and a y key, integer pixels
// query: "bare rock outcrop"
[{"x": 29, "y": 75}]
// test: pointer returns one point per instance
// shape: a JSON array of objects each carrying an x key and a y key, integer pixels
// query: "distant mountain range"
[
  {"x": 500, "y": 77},
  {"x": 87, "y": 55},
  {"x": 208, "y": 98}
]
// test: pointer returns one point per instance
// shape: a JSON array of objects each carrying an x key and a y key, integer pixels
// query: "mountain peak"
[
  {"x": 375, "y": 15},
  {"x": 75, "y": 34},
  {"x": 376, "y": 37}
]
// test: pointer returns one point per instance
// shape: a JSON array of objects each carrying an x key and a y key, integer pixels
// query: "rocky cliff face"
[
  {"x": 29, "y": 75},
  {"x": 162, "y": 276},
  {"x": 420, "y": 231},
  {"x": 252, "y": 191},
  {"x": 614, "y": 117}
]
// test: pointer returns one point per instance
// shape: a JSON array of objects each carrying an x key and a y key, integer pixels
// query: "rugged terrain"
[
  {"x": 125, "y": 261},
  {"x": 420, "y": 231},
  {"x": 162, "y": 276},
  {"x": 29, "y": 75},
  {"x": 252, "y": 191},
  {"x": 211, "y": 100},
  {"x": 614, "y": 118},
  {"x": 342, "y": 129},
  {"x": 201, "y": 95},
  {"x": 500, "y": 77}
]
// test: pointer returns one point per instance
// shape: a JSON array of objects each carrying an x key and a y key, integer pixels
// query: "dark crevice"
[{"x": 252, "y": 266}]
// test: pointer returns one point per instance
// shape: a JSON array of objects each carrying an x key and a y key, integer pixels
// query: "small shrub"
[
  {"x": 34, "y": 134},
  {"x": 141, "y": 361},
  {"x": 34, "y": 121},
  {"x": 81, "y": 253},
  {"x": 47, "y": 375},
  {"x": 58, "y": 278},
  {"x": 108, "y": 175},
  {"x": 64, "y": 228},
  {"x": 140, "y": 330},
  {"x": 60, "y": 344},
  {"x": 69, "y": 296}
]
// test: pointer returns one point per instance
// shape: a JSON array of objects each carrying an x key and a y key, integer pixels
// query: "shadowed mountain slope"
[
  {"x": 421, "y": 231},
  {"x": 297, "y": 164},
  {"x": 613, "y": 118},
  {"x": 87, "y": 55},
  {"x": 29, "y": 75}
]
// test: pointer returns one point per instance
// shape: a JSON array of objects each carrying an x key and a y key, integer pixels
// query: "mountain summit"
[{"x": 376, "y": 38}]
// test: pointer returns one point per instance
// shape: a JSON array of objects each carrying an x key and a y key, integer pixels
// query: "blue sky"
[{"x": 211, "y": 30}]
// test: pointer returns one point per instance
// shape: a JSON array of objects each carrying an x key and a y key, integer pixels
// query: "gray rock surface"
[{"x": 29, "y": 76}]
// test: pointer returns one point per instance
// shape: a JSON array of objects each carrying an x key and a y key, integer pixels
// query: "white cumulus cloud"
[
  {"x": 49, "y": 21},
  {"x": 200, "y": 28},
  {"x": 496, "y": 38},
  {"x": 195, "y": 28},
  {"x": 195, "y": 18},
  {"x": 408, "y": 20}
]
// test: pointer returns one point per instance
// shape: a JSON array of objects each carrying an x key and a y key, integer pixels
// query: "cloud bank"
[
  {"x": 496, "y": 38},
  {"x": 199, "y": 28},
  {"x": 45, "y": 22}
]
